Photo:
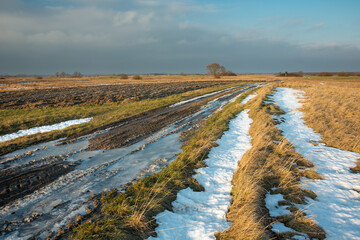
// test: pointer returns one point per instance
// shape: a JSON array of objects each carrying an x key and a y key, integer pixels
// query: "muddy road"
[{"x": 45, "y": 186}]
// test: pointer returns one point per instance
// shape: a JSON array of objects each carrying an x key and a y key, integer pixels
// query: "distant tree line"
[
  {"x": 64, "y": 74},
  {"x": 340, "y": 74},
  {"x": 291, "y": 74},
  {"x": 321, "y": 74}
]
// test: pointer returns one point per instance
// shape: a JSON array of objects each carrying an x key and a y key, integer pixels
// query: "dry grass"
[
  {"x": 356, "y": 169},
  {"x": 332, "y": 109},
  {"x": 14, "y": 83},
  {"x": 268, "y": 164}
]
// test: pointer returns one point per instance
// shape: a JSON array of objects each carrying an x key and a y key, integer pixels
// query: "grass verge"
[
  {"x": 332, "y": 109},
  {"x": 129, "y": 215},
  {"x": 12, "y": 120},
  {"x": 270, "y": 166}
]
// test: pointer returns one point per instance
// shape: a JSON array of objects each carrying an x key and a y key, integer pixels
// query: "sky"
[{"x": 171, "y": 36}]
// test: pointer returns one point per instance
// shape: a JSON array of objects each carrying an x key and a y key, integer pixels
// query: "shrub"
[
  {"x": 137, "y": 77},
  {"x": 123, "y": 76},
  {"x": 343, "y": 74},
  {"x": 229, "y": 73},
  {"x": 292, "y": 74}
]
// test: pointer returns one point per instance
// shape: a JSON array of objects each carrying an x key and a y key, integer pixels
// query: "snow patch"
[
  {"x": 272, "y": 203},
  {"x": 248, "y": 98},
  {"x": 280, "y": 228},
  {"x": 195, "y": 98},
  {"x": 198, "y": 215},
  {"x": 43, "y": 129},
  {"x": 337, "y": 206},
  {"x": 202, "y": 96}
]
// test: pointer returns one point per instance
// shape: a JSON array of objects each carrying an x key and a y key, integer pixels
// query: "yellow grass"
[{"x": 332, "y": 109}]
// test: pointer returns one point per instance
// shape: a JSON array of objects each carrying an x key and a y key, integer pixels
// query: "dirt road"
[{"x": 51, "y": 182}]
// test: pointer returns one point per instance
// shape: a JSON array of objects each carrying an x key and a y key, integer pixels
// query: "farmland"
[{"x": 147, "y": 152}]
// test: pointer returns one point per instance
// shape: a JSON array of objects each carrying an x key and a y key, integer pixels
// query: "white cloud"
[
  {"x": 122, "y": 18},
  {"x": 146, "y": 18}
]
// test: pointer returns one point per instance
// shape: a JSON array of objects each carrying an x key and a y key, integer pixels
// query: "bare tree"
[
  {"x": 214, "y": 69},
  {"x": 218, "y": 70},
  {"x": 222, "y": 71}
]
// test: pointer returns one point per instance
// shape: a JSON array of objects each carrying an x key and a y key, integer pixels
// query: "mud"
[
  {"x": 97, "y": 94},
  {"x": 16, "y": 182}
]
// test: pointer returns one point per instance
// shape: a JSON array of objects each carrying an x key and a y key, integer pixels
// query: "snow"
[
  {"x": 337, "y": 206},
  {"x": 42, "y": 129},
  {"x": 198, "y": 215},
  {"x": 272, "y": 203},
  {"x": 280, "y": 228},
  {"x": 248, "y": 98},
  {"x": 196, "y": 98},
  {"x": 275, "y": 210}
]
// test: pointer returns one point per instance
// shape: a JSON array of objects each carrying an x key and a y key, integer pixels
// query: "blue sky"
[{"x": 140, "y": 36}]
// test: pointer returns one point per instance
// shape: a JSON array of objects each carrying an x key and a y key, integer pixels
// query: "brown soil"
[{"x": 97, "y": 94}]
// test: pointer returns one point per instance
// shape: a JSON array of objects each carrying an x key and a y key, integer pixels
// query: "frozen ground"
[
  {"x": 198, "y": 215},
  {"x": 43, "y": 129},
  {"x": 337, "y": 205}
]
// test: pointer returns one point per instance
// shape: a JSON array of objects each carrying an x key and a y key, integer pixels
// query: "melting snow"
[
  {"x": 272, "y": 203},
  {"x": 248, "y": 98},
  {"x": 42, "y": 129},
  {"x": 280, "y": 228},
  {"x": 337, "y": 206},
  {"x": 202, "y": 96},
  {"x": 198, "y": 215}
]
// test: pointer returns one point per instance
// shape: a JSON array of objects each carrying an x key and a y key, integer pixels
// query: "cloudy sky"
[{"x": 172, "y": 36}]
